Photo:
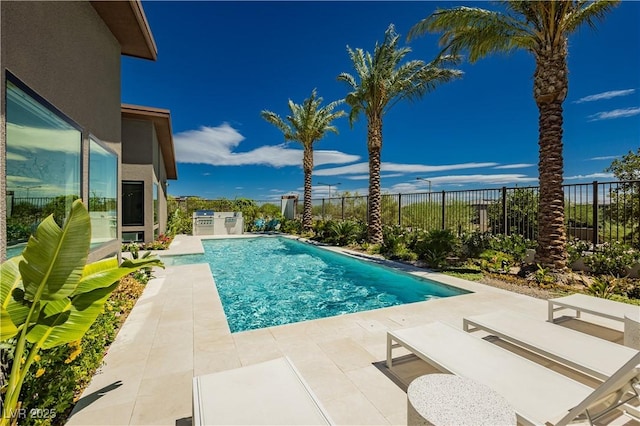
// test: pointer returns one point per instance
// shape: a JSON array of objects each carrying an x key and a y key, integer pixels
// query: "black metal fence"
[{"x": 597, "y": 212}]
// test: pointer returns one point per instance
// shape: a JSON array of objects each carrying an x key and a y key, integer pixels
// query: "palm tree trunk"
[
  {"x": 550, "y": 90},
  {"x": 374, "y": 142},
  {"x": 307, "y": 166}
]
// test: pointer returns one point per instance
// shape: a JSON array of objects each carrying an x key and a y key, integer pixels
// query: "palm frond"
[
  {"x": 589, "y": 13},
  {"x": 480, "y": 32}
]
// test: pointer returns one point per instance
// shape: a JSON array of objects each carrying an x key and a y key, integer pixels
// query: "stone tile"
[
  {"x": 119, "y": 414},
  {"x": 327, "y": 381},
  {"x": 347, "y": 354},
  {"x": 212, "y": 362},
  {"x": 399, "y": 418},
  {"x": 354, "y": 409},
  {"x": 169, "y": 359},
  {"x": 164, "y": 399},
  {"x": 375, "y": 386}
]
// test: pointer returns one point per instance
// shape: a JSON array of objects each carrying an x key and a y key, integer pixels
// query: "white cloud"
[
  {"x": 616, "y": 113},
  {"x": 363, "y": 168},
  {"x": 457, "y": 180},
  {"x": 366, "y": 177},
  {"x": 239, "y": 187},
  {"x": 217, "y": 145},
  {"x": 591, "y": 176},
  {"x": 607, "y": 157},
  {"x": 515, "y": 166},
  {"x": 605, "y": 95}
]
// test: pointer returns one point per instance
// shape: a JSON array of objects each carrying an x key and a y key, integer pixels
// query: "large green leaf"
[
  {"x": 67, "y": 320},
  {"x": 54, "y": 258},
  {"x": 105, "y": 272},
  {"x": 12, "y": 312}
]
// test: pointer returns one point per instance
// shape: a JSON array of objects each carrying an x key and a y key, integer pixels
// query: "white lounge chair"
[
  {"x": 592, "y": 305},
  {"x": 593, "y": 356},
  {"x": 268, "y": 393},
  {"x": 537, "y": 394}
]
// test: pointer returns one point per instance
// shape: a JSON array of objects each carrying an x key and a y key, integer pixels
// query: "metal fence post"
[
  {"x": 323, "y": 209},
  {"x": 399, "y": 209},
  {"x": 596, "y": 220},
  {"x": 342, "y": 208},
  {"x": 505, "y": 225},
  {"x": 444, "y": 220}
]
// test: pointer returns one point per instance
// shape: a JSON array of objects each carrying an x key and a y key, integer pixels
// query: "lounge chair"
[
  {"x": 537, "y": 394},
  {"x": 593, "y": 356},
  {"x": 592, "y": 305},
  {"x": 271, "y": 392}
]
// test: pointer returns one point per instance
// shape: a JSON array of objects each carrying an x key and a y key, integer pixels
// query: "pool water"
[{"x": 264, "y": 282}]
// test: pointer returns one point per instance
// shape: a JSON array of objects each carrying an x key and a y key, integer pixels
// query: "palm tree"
[
  {"x": 542, "y": 28},
  {"x": 383, "y": 82},
  {"x": 307, "y": 124}
]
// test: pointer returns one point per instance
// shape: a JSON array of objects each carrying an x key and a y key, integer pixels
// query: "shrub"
[
  {"x": 434, "y": 246},
  {"x": 475, "y": 243},
  {"x": 578, "y": 248},
  {"x": 514, "y": 245},
  {"x": 342, "y": 233},
  {"x": 496, "y": 261},
  {"x": 603, "y": 286},
  {"x": 179, "y": 223},
  {"x": 291, "y": 226},
  {"x": 612, "y": 259}
]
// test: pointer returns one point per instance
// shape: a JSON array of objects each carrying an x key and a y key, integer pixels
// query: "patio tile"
[
  {"x": 164, "y": 399},
  {"x": 375, "y": 386},
  {"x": 111, "y": 415},
  {"x": 346, "y": 353},
  {"x": 354, "y": 409}
]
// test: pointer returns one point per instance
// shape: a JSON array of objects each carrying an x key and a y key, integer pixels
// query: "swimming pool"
[{"x": 268, "y": 281}]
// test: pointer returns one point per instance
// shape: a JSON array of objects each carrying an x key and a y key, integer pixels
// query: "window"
[
  {"x": 132, "y": 203},
  {"x": 156, "y": 206},
  {"x": 103, "y": 187},
  {"x": 42, "y": 163}
]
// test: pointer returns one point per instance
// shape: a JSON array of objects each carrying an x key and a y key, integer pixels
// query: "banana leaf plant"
[{"x": 50, "y": 296}]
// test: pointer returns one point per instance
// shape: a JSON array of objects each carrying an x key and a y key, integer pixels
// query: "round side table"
[{"x": 446, "y": 399}]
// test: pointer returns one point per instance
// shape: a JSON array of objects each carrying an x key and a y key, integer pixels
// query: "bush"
[
  {"x": 612, "y": 259},
  {"x": 578, "y": 248},
  {"x": 434, "y": 246},
  {"x": 496, "y": 261},
  {"x": 343, "y": 233},
  {"x": 291, "y": 226},
  {"x": 514, "y": 245},
  {"x": 62, "y": 373},
  {"x": 179, "y": 223},
  {"x": 475, "y": 243}
]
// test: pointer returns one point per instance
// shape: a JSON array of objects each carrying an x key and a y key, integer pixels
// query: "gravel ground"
[{"x": 523, "y": 288}]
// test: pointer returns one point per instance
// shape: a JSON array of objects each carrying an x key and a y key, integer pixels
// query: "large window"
[
  {"x": 132, "y": 203},
  {"x": 43, "y": 163},
  {"x": 156, "y": 205},
  {"x": 103, "y": 187}
]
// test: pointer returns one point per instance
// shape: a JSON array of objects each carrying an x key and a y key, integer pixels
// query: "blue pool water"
[{"x": 264, "y": 282}]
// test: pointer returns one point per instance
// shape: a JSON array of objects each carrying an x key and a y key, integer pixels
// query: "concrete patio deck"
[{"x": 178, "y": 330}]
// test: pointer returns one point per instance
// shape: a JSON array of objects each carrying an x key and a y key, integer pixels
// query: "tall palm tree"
[
  {"x": 383, "y": 82},
  {"x": 307, "y": 124},
  {"x": 542, "y": 28}
]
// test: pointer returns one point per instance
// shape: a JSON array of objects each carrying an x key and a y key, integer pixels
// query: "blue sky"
[{"x": 221, "y": 63}]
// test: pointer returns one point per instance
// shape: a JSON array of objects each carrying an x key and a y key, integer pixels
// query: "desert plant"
[
  {"x": 543, "y": 276},
  {"x": 612, "y": 259},
  {"x": 343, "y": 233},
  {"x": 49, "y": 296},
  {"x": 495, "y": 261},
  {"x": 577, "y": 248},
  {"x": 604, "y": 286}
]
